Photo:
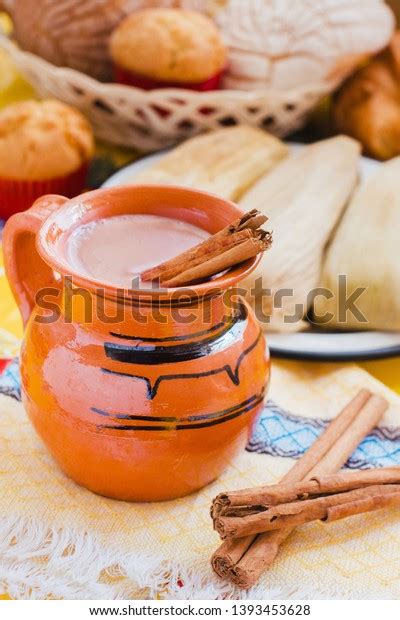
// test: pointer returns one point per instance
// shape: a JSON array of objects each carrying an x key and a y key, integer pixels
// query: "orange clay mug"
[{"x": 131, "y": 406}]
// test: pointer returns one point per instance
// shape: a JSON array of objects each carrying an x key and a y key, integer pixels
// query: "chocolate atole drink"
[{"x": 116, "y": 250}]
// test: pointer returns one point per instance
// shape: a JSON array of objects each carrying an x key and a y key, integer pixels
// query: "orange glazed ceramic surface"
[{"x": 139, "y": 394}]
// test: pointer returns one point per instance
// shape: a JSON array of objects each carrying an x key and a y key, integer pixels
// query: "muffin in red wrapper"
[
  {"x": 122, "y": 76},
  {"x": 45, "y": 148},
  {"x": 168, "y": 48}
]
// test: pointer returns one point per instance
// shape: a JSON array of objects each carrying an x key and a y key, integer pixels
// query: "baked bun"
[
  {"x": 43, "y": 140},
  {"x": 169, "y": 45},
  {"x": 72, "y": 33},
  {"x": 367, "y": 106},
  {"x": 284, "y": 45}
]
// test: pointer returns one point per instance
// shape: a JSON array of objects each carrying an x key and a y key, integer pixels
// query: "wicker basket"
[{"x": 150, "y": 120}]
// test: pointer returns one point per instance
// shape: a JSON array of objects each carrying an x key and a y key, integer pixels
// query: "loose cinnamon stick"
[
  {"x": 243, "y": 560},
  {"x": 299, "y": 512},
  {"x": 321, "y": 445},
  {"x": 247, "y": 500},
  {"x": 213, "y": 252},
  {"x": 335, "y": 513},
  {"x": 226, "y": 558}
]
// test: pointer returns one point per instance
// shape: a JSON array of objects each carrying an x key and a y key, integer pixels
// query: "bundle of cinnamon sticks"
[
  {"x": 328, "y": 498},
  {"x": 255, "y": 522},
  {"x": 241, "y": 240}
]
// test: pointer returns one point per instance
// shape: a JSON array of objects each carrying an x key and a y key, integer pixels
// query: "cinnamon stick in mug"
[
  {"x": 237, "y": 242},
  {"x": 243, "y": 560},
  {"x": 225, "y": 244},
  {"x": 219, "y": 262}
]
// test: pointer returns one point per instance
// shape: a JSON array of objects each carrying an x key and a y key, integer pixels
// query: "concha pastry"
[
  {"x": 72, "y": 33},
  {"x": 289, "y": 43}
]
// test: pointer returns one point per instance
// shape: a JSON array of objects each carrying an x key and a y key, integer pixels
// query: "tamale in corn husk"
[
  {"x": 303, "y": 198},
  {"x": 225, "y": 162},
  {"x": 366, "y": 249}
]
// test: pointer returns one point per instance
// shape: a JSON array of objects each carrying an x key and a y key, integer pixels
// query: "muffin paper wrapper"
[
  {"x": 18, "y": 195},
  {"x": 123, "y": 76}
]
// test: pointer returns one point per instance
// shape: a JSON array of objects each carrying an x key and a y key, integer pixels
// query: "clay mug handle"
[{"x": 26, "y": 271}]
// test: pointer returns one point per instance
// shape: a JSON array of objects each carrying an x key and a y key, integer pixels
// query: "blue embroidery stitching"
[
  {"x": 280, "y": 433},
  {"x": 10, "y": 381}
]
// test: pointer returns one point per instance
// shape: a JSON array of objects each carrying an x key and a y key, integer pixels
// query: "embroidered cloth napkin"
[{"x": 59, "y": 540}]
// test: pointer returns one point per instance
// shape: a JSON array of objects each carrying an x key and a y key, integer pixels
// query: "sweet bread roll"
[
  {"x": 43, "y": 140},
  {"x": 367, "y": 106},
  {"x": 72, "y": 33},
  {"x": 285, "y": 44},
  {"x": 169, "y": 45}
]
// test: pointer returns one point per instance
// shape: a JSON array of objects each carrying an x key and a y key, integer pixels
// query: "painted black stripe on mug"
[
  {"x": 149, "y": 355},
  {"x": 192, "y": 418},
  {"x": 228, "y": 322},
  {"x": 182, "y": 427},
  {"x": 214, "y": 328},
  {"x": 152, "y": 389}
]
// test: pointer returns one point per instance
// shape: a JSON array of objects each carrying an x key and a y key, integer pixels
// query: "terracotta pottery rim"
[{"x": 58, "y": 225}]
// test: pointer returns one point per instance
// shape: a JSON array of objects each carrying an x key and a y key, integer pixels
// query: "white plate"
[
  {"x": 335, "y": 347},
  {"x": 343, "y": 346}
]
